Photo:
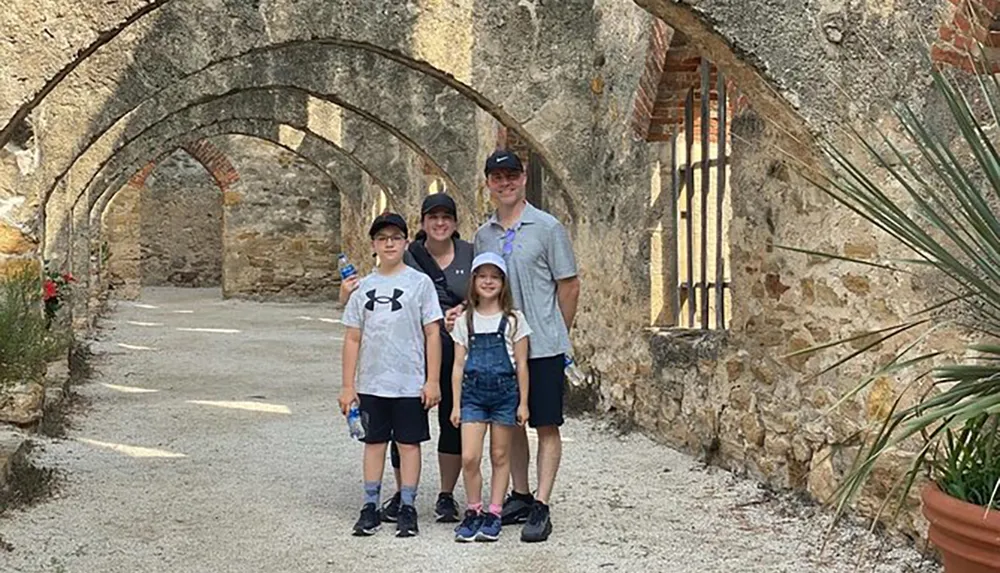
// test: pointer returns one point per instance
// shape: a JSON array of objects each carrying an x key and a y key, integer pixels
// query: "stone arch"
[
  {"x": 421, "y": 68},
  {"x": 228, "y": 107},
  {"x": 312, "y": 147},
  {"x": 288, "y": 103},
  {"x": 225, "y": 98},
  {"x": 338, "y": 160},
  {"x": 757, "y": 84},
  {"x": 308, "y": 147},
  {"x": 125, "y": 271},
  {"x": 348, "y": 21}
]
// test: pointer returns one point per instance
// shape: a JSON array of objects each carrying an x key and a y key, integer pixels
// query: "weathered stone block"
[
  {"x": 56, "y": 372},
  {"x": 753, "y": 429},
  {"x": 861, "y": 248},
  {"x": 13, "y": 445},
  {"x": 856, "y": 284},
  {"x": 231, "y": 198},
  {"x": 14, "y": 242},
  {"x": 22, "y": 404}
]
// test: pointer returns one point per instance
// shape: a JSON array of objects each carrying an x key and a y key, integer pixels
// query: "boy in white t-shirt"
[{"x": 392, "y": 325}]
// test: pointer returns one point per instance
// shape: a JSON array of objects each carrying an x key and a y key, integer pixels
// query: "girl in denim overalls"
[{"x": 490, "y": 384}]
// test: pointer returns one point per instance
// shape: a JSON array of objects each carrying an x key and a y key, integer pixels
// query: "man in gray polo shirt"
[{"x": 543, "y": 278}]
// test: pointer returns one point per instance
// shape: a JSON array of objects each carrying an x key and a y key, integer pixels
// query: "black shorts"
[
  {"x": 402, "y": 420},
  {"x": 546, "y": 387}
]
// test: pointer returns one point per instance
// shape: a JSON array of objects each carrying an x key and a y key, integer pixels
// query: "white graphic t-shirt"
[
  {"x": 484, "y": 323},
  {"x": 391, "y": 312}
]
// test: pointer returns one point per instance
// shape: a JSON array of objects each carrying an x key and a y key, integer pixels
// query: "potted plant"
[
  {"x": 938, "y": 197},
  {"x": 961, "y": 503}
]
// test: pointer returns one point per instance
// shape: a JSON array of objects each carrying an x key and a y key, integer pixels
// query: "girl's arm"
[
  {"x": 521, "y": 358},
  {"x": 457, "y": 373}
]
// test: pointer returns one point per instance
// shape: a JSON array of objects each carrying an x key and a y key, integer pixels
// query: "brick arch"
[
  {"x": 972, "y": 23},
  {"x": 672, "y": 70},
  {"x": 210, "y": 157},
  {"x": 656, "y": 56}
]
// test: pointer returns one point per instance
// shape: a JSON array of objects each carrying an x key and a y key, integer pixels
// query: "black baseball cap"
[
  {"x": 503, "y": 159},
  {"x": 388, "y": 219},
  {"x": 439, "y": 201}
]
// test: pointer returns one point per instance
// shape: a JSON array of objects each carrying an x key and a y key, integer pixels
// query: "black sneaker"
[
  {"x": 369, "y": 522},
  {"x": 390, "y": 509},
  {"x": 516, "y": 508},
  {"x": 407, "y": 524},
  {"x": 446, "y": 511},
  {"x": 539, "y": 526}
]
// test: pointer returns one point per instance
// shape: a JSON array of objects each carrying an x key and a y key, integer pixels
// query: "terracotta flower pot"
[{"x": 969, "y": 543}]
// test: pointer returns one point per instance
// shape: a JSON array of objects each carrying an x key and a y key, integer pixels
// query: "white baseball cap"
[{"x": 489, "y": 258}]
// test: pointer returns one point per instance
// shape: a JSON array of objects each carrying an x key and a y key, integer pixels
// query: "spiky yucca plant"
[{"x": 946, "y": 218}]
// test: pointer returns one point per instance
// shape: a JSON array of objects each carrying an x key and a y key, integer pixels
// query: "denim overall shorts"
[{"x": 489, "y": 382}]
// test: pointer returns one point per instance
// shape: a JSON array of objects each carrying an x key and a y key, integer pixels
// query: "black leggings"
[{"x": 450, "y": 439}]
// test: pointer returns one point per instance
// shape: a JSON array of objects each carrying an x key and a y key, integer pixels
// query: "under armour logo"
[{"x": 393, "y": 300}]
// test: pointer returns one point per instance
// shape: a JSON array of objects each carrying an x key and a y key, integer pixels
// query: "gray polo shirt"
[{"x": 541, "y": 255}]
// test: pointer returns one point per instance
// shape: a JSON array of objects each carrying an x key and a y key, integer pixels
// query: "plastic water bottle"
[
  {"x": 354, "y": 424},
  {"x": 573, "y": 373},
  {"x": 346, "y": 269}
]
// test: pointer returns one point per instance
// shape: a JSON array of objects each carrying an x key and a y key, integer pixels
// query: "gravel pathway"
[{"x": 210, "y": 443}]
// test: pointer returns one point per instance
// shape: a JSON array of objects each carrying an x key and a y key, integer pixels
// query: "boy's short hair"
[{"x": 388, "y": 219}]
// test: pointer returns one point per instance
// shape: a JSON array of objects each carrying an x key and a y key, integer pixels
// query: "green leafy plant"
[
  {"x": 967, "y": 467},
  {"x": 26, "y": 342},
  {"x": 937, "y": 196}
]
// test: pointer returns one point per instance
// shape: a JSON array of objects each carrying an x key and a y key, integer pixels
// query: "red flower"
[
  {"x": 68, "y": 278},
  {"x": 51, "y": 291}
]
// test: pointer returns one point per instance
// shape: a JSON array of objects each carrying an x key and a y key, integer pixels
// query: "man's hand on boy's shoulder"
[{"x": 430, "y": 395}]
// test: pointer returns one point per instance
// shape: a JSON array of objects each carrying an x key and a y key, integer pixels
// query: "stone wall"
[
  {"x": 282, "y": 225},
  {"x": 181, "y": 225},
  {"x": 122, "y": 235},
  {"x": 272, "y": 234}
]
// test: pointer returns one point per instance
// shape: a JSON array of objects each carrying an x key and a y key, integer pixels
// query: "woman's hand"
[
  {"x": 522, "y": 414},
  {"x": 452, "y": 315},
  {"x": 456, "y": 417}
]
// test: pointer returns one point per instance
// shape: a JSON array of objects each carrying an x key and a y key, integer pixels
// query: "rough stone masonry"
[{"x": 325, "y": 111}]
